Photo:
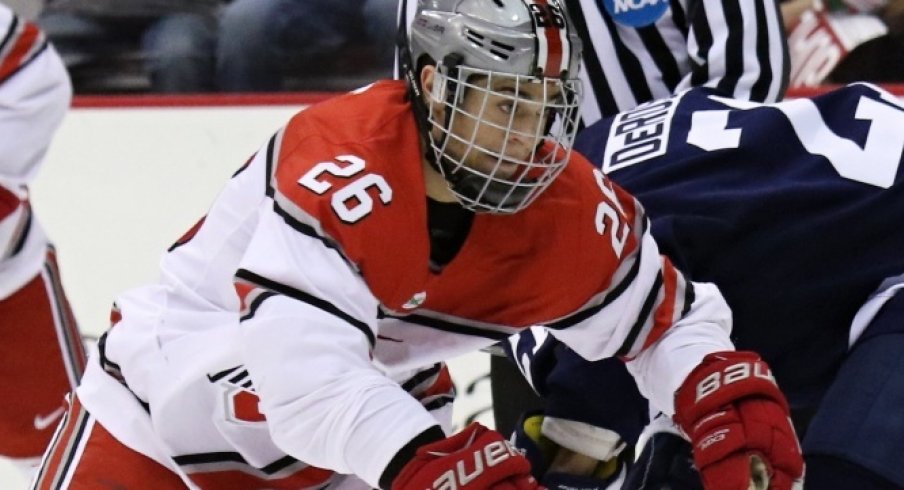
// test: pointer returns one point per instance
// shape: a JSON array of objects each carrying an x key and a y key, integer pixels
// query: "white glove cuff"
[{"x": 596, "y": 442}]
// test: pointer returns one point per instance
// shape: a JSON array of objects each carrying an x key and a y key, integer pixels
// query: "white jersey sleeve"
[
  {"x": 34, "y": 95},
  {"x": 661, "y": 369},
  {"x": 325, "y": 401},
  {"x": 653, "y": 317}
]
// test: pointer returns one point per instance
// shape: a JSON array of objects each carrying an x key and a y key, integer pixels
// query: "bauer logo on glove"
[
  {"x": 738, "y": 422},
  {"x": 732, "y": 374}
]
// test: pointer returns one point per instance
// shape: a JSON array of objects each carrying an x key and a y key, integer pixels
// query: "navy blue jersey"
[{"x": 793, "y": 209}]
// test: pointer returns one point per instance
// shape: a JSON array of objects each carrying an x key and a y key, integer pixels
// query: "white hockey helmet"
[{"x": 475, "y": 44}]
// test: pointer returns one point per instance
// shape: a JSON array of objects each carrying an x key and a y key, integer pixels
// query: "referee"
[{"x": 640, "y": 50}]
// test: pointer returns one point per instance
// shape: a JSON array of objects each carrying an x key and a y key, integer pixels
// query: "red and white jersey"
[
  {"x": 34, "y": 95},
  {"x": 289, "y": 324},
  {"x": 821, "y": 39}
]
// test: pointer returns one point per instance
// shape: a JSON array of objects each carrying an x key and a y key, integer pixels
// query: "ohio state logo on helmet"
[
  {"x": 519, "y": 37},
  {"x": 553, "y": 45}
]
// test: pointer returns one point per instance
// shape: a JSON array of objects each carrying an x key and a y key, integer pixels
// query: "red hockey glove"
[
  {"x": 476, "y": 458},
  {"x": 732, "y": 410}
]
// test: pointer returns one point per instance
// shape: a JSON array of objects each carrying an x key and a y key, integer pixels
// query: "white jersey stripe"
[{"x": 542, "y": 42}]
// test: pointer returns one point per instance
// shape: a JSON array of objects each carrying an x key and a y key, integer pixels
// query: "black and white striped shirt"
[{"x": 737, "y": 46}]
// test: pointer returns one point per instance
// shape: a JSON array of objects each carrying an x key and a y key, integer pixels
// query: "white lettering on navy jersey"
[{"x": 639, "y": 134}]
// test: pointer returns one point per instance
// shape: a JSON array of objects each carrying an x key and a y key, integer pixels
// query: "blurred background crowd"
[{"x": 198, "y": 46}]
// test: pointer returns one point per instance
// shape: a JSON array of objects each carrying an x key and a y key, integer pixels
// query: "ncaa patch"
[{"x": 636, "y": 13}]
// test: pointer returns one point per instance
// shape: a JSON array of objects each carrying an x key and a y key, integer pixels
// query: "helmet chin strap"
[
  {"x": 416, "y": 97},
  {"x": 461, "y": 182},
  {"x": 415, "y": 92}
]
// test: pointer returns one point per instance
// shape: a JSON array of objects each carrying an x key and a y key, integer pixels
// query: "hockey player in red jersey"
[
  {"x": 297, "y": 334},
  {"x": 41, "y": 355}
]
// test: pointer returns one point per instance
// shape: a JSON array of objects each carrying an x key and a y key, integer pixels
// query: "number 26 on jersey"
[{"x": 352, "y": 201}]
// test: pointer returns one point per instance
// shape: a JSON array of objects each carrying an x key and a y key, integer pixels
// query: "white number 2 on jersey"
[
  {"x": 351, "y": 202},
  {"x": 610, "y": 212},
  {"x": 875, "y": 164}
]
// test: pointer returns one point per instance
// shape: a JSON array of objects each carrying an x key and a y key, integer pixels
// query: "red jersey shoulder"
[
  {"x": 351, "y": 168},
  {"x": 584, "y": 193},
  {"x": 552, "y": 258},
  {"x": 345, "y": 159},
  {"x": 617, "y": 217}
]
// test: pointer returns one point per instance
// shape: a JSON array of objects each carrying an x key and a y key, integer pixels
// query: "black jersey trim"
[
  {"x": 233, "y": 457},
  {"x": 439, "y": 402},
  {"x": 611, "y": 296},
  {"x": 72, "y": 454},
  {"x": 57, "y": 300},
  {"x": 690, "y": 295},
  {"x": 9, "y": 33},
  {"x": 106, "y": 364},
  {"x": 213, "y": 378},
  {"x": 304, "y": 297},
  {"x": 420, "y": 377},
  {"x": 252, "y": 308},
  {"x": 451, "y": 327},
  {"x": 406, "y": 454},
  {"x": 645, "y": 311},
  {"x": 270, "y": 190},
  {"x": 306, "y": 229},
  {"x": 26, "y": 231}
]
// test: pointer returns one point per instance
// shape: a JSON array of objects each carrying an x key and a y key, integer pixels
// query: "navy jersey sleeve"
[{"x": 790, "y": 208}]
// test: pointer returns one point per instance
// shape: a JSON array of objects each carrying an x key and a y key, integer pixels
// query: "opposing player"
[
  {"x": 41, "y": 355},
  {"x": 791, "y": 209},
  {"x": 292, "y": 339}
]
